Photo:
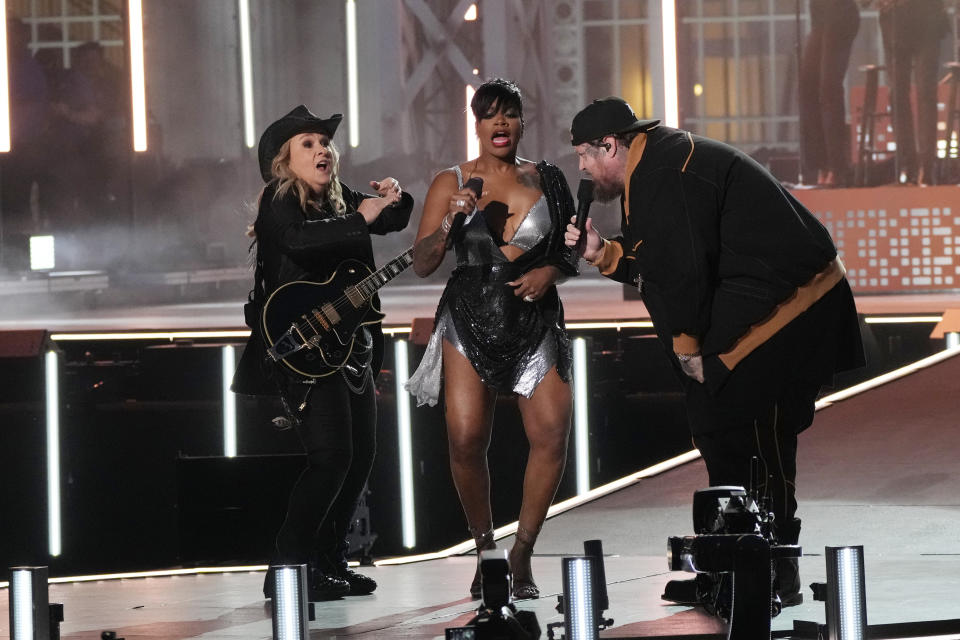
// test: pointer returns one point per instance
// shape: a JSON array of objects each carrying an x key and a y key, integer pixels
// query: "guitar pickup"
[{"x": 285, "y": 346}]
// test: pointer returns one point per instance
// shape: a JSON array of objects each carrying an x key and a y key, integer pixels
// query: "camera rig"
[{"x": 733, "y": 554}]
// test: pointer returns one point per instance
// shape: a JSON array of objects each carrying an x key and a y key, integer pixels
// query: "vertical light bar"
[
  {"x": 846, "y": 594},
  {"x": 29, "y": 603},
  {"x": 4, "y": 82},
  {"x": 671, "y": 106},
  {"x": 290, "y": 602},
  {"x": 353, "y": 109},
  {"x": 228, "y": 360},
  {"x": 473, "y": 144},
  {"x": 407, "y": 512},
  {"x": 581, "y": 425},
  {"x": 21, "y": 604},
  {"x": 51, "y": 362},
  {"x": 579, "y": 617},
  {"x": 246, "y": 73},
  {"x": 137, "y": 85}
]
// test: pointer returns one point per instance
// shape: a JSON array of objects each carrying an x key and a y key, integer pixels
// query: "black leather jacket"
[{"x": 293, "y": 244}]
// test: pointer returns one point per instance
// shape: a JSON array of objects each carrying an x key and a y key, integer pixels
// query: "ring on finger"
[
  {"x": 528, "y": 298},
  {"x": 460, "y": 203}
]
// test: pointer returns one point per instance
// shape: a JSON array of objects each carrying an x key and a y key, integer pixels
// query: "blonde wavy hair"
[{"x": 280, "y": 168}]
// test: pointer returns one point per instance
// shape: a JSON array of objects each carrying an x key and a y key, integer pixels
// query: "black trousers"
[
  {"x": 772, "y": 438},
  {"x": 338, "y": 432},
  {"x": 912, "y": 31},
  {"x": 825, "y": 143}
]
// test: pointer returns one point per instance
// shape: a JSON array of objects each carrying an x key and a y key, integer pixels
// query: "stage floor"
[
  {"x": 879, "y": 469},
  {"x": 587, "y": 298}
]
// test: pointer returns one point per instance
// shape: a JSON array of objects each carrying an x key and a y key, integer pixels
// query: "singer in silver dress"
[{"x": 499, "y": 324}]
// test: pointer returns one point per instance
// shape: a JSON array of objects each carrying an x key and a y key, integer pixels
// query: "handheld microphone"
[
  {"x": 584, "y": 200},
  {"x": 475, "y": 185}
]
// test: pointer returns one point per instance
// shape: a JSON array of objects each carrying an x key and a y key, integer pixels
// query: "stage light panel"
[
  {"x": 405, "y": 446},
  {"x": 52, "y": 393},
  {"x": 246, "y": 73},
  {"x": 353, "y": 94},
  {"x": 4, "y": 82},
  {"x": 846, "y": 594},
  {"x": 579, "y": 620},
  {"x": 29, "y": 604},
  {"x": 671, "y": 101},
  {"x": 473, "y": 144},
  {"x": 228, "y": 360},
  {"x": 581, "y": 426},
  {"x": 290, "y": 614},
  {"x": 137, "y": 80},
  {"x": 42, "y": 253}
]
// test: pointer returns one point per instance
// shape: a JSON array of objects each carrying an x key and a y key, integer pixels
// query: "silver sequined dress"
[{"x": 481, "y": 263}]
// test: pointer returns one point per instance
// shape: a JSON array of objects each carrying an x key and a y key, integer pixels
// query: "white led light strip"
[
  {"x": 246, "y": 73},
  {"x": 52, "y": 375},
  {"x": 353, "y": 108},
  {"x": 581, "y": 426},
  {"x": 4, "y": 82},
  {"x": 137, "y": 82},
  {"x": 405, "y": 446}
]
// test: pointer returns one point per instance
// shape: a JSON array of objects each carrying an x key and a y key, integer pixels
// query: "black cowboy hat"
[
  {"x": 609, "y": 116},
  {"x": 300, "y": 120}
]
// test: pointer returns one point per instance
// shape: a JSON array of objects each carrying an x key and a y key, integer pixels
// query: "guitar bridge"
[{"x": 285, "y": 346}]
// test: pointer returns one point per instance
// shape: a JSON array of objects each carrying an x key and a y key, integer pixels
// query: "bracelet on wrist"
[{"x": 446, "y": 224}]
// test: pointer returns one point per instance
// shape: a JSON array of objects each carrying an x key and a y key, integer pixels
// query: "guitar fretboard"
[{"x": 369, "y": 285}]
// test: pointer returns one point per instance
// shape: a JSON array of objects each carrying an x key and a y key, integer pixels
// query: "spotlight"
[
  {"x": 846, "y": 594},
  {"x": 497, "y": 618},
  {"x": 290, "y": 602},
  {"x": 571, "y": 603},
  {"x": 41, "y": 253},
  {"x": 29, "y": 605},
  {"x": 580, "y": 619}
]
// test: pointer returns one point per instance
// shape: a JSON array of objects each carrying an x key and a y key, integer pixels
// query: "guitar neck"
[{"x": 369, "y": 285}]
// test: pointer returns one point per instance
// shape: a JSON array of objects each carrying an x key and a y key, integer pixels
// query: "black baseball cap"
[{"x": 604, "y": 117}]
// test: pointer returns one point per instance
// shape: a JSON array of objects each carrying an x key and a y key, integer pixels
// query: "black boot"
[
  {"x": 335, "y": 564},
  {"x": 325, "y": 586},
  {"x": 320, "y": 586},
  {"x": 786, "y": 580}
]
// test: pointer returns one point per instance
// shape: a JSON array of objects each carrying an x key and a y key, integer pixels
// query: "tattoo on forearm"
[{"x": 429, "y": 251}]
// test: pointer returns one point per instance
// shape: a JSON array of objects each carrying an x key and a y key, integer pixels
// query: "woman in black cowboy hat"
[{"x": 307, "y": 224}]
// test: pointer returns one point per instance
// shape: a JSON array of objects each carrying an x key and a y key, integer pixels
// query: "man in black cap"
[{"x": 744, "y": 288}]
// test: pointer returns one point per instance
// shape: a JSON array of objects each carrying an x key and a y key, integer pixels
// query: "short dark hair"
[{"x": 496, "y": 92}]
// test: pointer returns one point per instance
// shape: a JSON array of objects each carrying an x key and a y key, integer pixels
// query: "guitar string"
[{"x": 339, "y": 303}]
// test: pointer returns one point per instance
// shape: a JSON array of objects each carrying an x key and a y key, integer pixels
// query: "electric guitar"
[{"x": 310, "y": 326}]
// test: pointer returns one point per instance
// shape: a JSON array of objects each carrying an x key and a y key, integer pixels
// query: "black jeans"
[
  {"x": 771, "y": 437},
  {"x": 338, "y": 432}
]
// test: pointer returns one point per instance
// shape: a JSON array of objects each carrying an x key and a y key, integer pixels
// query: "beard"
[{"x": 605, "y": 190}]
